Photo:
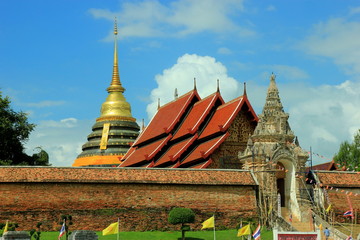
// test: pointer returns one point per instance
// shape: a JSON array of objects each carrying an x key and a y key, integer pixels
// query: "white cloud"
[
  {"x": 62, "y": 140},
  {"x": 224, "y": 50},
  {"x": 176, "y": 19},
  {"x": 336, "y": 39},
  {"x": 324, "y": 116},
  {"x": 328, "y": 115},
  {"x": 63, "y": 123},
  {"x": 181, "y": 75}
]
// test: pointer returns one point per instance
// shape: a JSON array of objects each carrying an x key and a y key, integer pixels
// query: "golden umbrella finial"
[{"x": 115, "y": 27}]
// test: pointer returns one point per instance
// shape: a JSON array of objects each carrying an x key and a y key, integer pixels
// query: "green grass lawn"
[{"x": 191, "y": 235}]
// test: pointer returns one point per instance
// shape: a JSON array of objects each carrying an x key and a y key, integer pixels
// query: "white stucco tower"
[{"x": 274, "y": 155}]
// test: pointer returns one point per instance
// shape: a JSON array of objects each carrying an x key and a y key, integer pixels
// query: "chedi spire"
[{"x": 115, "y": 129}]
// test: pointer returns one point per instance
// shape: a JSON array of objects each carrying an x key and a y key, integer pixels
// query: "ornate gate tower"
[{"x": 274, "y": 155}]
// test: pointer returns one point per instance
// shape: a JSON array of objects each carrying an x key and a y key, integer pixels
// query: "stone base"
[
  {"x": 16, "y": 235},
  {"x": 83, "y": 235}
]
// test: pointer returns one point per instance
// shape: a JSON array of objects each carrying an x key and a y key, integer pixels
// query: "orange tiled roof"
[
  {"x": 339, "y": 178},
  {"x": 167, "y": 117},
  {"x": 204, "y": 150},
  {"x": 224, "y": 116},
  {"x": 146, "y": 153},
  {"x": 324, "y": 166},
  {"x": 203, "y": 164},
  {"x": 198, "y": 114},
  {"x": 175, "y": 152},
  {"x": 180, "y": 121}
]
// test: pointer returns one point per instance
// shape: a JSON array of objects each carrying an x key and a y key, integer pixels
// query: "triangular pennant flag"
[
  {"x": 244, "y": 231},
  {"x": 111, "y": 229},
  {"x": 209, "y": 223}
]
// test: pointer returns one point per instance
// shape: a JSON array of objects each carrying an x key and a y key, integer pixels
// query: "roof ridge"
[
  {"x": 231, "y": 101},
  {"x": 193, "y": 91},
  {"x": 209, "y": 96}
]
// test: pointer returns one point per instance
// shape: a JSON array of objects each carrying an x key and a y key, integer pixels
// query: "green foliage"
[
  {"x": 156, "y": 235},
  {"x": 34, "y": 233},
  {"x": 349, "y": 154},
  {"x": 31, "y": 232},
  {"x": 41, "y": 158},
  {"x": 14, "y": 132},
  {"x": 181, "y": 216}
]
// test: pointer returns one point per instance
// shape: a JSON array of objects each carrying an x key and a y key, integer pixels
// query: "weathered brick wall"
[{"x": 141, "y": 198}]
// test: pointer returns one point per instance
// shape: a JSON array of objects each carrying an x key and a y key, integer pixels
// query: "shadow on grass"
[{"x": 191, "y": 238}]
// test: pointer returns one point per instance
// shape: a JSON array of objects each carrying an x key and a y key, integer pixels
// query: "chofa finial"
[
  {"x": 143, "y": 125},
  {"x": 176, "y": 95},
  {"x": 244, "y": 89}
]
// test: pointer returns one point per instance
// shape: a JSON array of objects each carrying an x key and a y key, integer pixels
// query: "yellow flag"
[
  {"x": 244, "y": 231},
  {"x": 6, "y": 227},
  {"x": 328, "y": 208},
  {"x": 111, "y": 229},
  {"x": 320, "y": 227},
  {"x": 209, "y": 223}
]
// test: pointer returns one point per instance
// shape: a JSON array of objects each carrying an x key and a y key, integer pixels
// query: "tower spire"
[
  {"x": 115, "y": 84},
  {"x": 244, "y": 89},
  {"x": 217, "y": 86},
  {"x": 115, "y": 104}
]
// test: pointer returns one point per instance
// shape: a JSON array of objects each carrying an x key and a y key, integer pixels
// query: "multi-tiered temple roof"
[
  {"x": 191, "y": 132},
  {"x": 114, "y": 130}
]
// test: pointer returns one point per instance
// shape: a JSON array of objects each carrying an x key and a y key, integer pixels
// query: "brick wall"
[{"x": 141, "y": 198}]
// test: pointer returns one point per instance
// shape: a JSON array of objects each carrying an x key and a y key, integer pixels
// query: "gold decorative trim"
[{"x": 114, "y": 118}]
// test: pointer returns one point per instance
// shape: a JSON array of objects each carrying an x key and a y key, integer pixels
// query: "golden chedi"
[{"x": 114, "y": 130}]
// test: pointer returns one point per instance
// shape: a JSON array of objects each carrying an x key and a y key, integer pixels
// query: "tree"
[
  {"x": 348, "y": 156},
  {"x": 41, "y": 158},
  {"x": 14, "y": 132},
  {"x": 182, "y": 216},
  {"x": 34, "y": 233}
]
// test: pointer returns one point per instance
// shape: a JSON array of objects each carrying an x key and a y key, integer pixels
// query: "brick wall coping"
[{"x": 126, "y": 175}]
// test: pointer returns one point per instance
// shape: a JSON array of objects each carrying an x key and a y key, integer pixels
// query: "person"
[{"x": 327, "y": 233}]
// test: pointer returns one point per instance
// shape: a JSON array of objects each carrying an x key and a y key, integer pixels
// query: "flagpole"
[
  {"x": 214, "y": 228},
  {"x": 118, "y": 229},
  {"x": 352, "y": 223}
]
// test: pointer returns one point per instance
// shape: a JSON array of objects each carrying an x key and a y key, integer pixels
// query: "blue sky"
[{"x": 56, "y": 62}]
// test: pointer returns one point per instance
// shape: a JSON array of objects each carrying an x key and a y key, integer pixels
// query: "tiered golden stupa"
[{"x": 114, "y": 130}]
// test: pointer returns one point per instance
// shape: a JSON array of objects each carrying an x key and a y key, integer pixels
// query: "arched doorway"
[{"x": 280, "y": 182}]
